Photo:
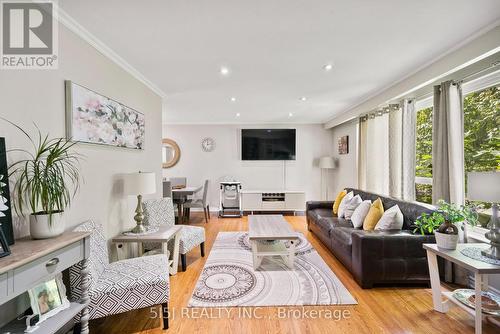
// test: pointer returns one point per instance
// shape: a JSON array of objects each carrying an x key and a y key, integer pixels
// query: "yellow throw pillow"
[
  {"x": 336, "y": 204},
  {"x": 374, "y": 215}
]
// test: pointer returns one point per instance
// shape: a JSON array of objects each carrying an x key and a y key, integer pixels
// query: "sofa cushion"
[
  {"x": 317, "y": 214},
  {"x": 324, "y": 219},
  {"x": 345, "y": 201},
  {"x": 338, "y": 199},
  {"x": 358, "y": 216},
  {"x": 351, "y": 206},
  {"x": 411, "y": 210},
  {"x": 374, "y": 215},
  {"x": 392, "y": 219}
]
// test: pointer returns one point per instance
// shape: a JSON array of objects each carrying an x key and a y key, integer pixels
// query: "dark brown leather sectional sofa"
[{"x": 374, "y": 257}]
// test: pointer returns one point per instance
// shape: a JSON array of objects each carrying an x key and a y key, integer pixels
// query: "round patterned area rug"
[
  {"x": 228, "y": 278},
  {"x": 224, "y": 282}
]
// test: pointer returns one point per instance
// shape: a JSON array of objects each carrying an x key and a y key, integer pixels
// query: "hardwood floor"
[{"x": 379, "y": 310}]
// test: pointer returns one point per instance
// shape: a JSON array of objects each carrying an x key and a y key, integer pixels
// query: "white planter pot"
[
  {"x": 40, "y": 228},
  {"x": 446, "y": 241}
]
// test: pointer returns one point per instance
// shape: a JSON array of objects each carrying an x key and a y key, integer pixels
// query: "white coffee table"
[{"x": 267, "y": 235}]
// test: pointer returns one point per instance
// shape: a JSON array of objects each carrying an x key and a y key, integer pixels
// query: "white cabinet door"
[
  {"x": 295, "y": 201},
  {"x": 251, "y": 201}
]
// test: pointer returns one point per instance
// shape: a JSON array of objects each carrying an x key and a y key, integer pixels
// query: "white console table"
[
  {"x": 273, "y": 200},
  {"x": 32, "y": 262}
]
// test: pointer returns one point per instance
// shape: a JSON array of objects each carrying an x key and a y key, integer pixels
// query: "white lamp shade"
[
  {"x": 483, "y": 186},
  {"x": 140, "y": 183},
  {"x": 327, "y": 163}
]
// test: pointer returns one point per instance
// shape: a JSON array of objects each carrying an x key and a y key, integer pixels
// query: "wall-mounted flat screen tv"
[{"x": 268, "y": 144}]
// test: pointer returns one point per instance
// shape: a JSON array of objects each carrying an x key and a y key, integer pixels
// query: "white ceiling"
[{"x": 276, "y": 50}]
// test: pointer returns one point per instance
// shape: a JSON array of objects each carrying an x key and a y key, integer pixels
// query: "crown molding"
[{"x": 70, "y": 23}]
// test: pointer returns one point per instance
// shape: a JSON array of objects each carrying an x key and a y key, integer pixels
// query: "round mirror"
[{"x": 170, "y": 153}]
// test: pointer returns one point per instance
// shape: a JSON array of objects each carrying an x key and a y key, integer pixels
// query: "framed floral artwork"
[{"x": 97, "y": 119}]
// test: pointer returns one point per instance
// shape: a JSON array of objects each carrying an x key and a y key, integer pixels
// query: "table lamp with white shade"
[
  {"x": 485, "y": 187},
  {"x": 139, "y": 184},
  {"x": 326, "y": 162}
]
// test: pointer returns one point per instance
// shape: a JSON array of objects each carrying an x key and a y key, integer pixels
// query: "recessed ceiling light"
[
  {"x": 238, "y": 114},
  {"x": 224, "y": 71},
  {"x": 303, "y": 98},
  {"x": 328, "y": 67},
  {"x": 290, "y": 114},
  {"x": 233, "y": 99}
]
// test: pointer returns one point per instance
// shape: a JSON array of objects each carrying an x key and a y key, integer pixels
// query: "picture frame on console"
[{"x": 48, "y": 298}]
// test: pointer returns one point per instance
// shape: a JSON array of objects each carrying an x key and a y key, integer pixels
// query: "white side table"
[
  {"x": 163, "y": 236},
  {"x": 480, "y": 269}
]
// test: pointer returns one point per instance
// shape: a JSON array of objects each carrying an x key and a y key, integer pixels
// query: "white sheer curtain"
[
  {"x": 374, "y": 154},
  {"x": 448, "y": 144},
  {"x": 402, "y": 151},
  {"x": 387, "y": 151},
  {"x": 362, "y": 140}
]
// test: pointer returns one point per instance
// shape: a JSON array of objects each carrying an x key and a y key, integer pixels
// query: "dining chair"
[
  {"x": 167, "y": 189},
  {"x": 201, "y": 203},
  {"x": 160, "y": 212},
  {"x": 178, "y": 182}
]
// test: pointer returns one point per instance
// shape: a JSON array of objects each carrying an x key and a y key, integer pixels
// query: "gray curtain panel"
[
  {"x": 448, "y": 155},
  {"x": 448, "y": 144}
]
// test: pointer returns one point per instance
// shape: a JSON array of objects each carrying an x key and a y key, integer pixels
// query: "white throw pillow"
[
  {"x": 392, "y": 219},
  {"x": 359, "y": 214},
  {"x": 351, "y": 206},
  {"x": 347, "y": 198}
]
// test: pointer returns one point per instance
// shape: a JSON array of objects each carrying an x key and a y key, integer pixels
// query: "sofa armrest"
[
  {"x": 380, "y": 255},
  {"x": 311, "y": 205}
]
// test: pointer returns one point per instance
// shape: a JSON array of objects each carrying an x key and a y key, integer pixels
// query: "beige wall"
[
  {"x": 38, "y": 96},
  {"x": 28, "y": 96},
  {"x": 225, "y": 161},
  {"x": 346, "y": 174}
]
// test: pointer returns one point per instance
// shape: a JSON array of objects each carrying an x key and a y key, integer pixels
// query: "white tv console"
[{"x": 273, "y": 200}]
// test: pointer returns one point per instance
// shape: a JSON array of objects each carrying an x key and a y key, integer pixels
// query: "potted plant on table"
[
  {"x": 46, "y": 182},
  {"x": 443, "y": 223}
]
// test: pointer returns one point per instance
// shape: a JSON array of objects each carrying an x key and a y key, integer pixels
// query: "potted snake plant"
[{"x": 45, "y": 182}]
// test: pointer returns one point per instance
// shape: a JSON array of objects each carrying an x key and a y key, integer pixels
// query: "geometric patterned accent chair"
[
  {"x": 160, "y": 212},
  {"x": 123, "y": 285}
]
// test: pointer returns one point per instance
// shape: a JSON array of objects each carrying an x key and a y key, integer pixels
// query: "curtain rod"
[
  {"x": 463, "y": 80},
  {"x": 389, "y": 107},
  {"x": 492, "y": 65}
]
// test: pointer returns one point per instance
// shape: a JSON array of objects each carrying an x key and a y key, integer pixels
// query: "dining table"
[{"x": 180, "y": 196}]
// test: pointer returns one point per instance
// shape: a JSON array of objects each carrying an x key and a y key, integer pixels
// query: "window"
[
  {"x": 481, "y": 136},
  {"x": 423, "y": 179}
]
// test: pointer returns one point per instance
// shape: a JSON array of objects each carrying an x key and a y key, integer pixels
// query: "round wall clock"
[{"x": 208, "y": 144}]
